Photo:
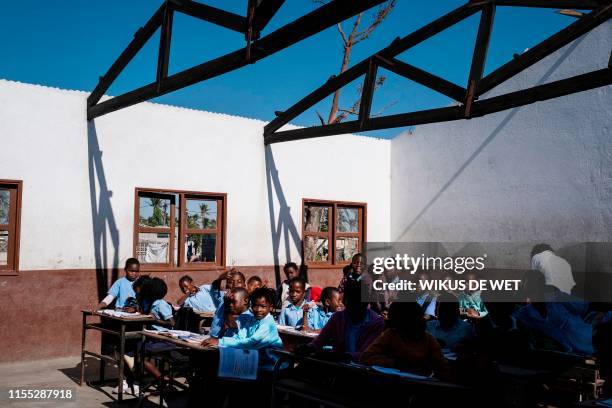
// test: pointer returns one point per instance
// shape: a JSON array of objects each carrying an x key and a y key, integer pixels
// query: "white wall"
[
  {"x": 46, "y": 142},
  {"x": 542, "y": 172}
]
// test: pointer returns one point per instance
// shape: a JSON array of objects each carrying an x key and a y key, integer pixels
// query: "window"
[
  {"x": 179, "y": 229},
  {"x": 10, "y": 213},
  {"x": 336, "y": 222}
]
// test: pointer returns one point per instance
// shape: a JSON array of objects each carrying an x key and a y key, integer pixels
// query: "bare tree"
[{"x": 354, "y": 37}]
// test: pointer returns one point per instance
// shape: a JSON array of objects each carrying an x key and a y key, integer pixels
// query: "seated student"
[
  {"x": 353, "y": 329},
  {"x": 406, "y": 345},
  {"x": 122, "y": 289},
  {"x": 259, "y": 331},
  {"x": 557, "y": 321},
  {"x": 449, "y": 329},
  {"x": 135, "y": 304},
  {"x": 470, "y": 302},
  {"x": 253, "y": 283},
  {"x": 198, "y": 298},
  {"x": 153, "y": 293},
  {"x": 352, "y": 271},
  {"x": 238, "y": 312},
  {"x": 293, "y": 313},
  {"x": 319, "y": 315},
  {"x": 235, "y": 279},
  {"x": 291, "y": 271}
]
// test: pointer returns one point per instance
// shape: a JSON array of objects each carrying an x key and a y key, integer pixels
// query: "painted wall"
[
  {"x": 542, "y": 172},
  {"x": 78, "y": 197}
]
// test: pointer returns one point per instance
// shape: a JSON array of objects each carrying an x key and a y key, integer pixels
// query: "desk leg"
[
  {"x": 141, "y": 358},
  {"x": 83, "y": 350},
  {"x": 121, "y": 362}
]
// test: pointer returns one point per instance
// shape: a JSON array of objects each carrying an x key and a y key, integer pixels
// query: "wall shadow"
[
  {"x": 102, "y": 218},
  {"x": 486, "y": 142},
  {"x": 281, "y": 223}
]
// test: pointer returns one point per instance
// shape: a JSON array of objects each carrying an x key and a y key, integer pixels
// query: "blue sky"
[{"x": 70, "y": 43}]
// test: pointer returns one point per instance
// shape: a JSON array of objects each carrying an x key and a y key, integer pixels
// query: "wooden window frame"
[
  {"x": 183, "y": 195},
  {"x": 332, "y": 234},
  {"x": 13, "y": 227}
]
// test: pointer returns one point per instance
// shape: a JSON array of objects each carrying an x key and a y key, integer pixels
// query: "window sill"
[{"x": 9, "y": 272}]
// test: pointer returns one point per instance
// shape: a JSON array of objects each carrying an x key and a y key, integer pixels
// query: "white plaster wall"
[
  {"x": 542, "y": 172},
  {"x": 45, "y": 141}
]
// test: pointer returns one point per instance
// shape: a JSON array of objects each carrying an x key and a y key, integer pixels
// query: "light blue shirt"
[
  {"x": 352, "y": 331},
  {"x": 318, "y": 317},
  {"x": 259, "y": 335},
  {"x": 241, "y": 321},
  {"x": 218, "y": 321},
  {"x": 202, "y": 300},
  {"x": 121, "y": 290},
  {"x": 453, "y": 336},
  {"x": 218, "y": 296},
  {"x": 473, "y": 301},
  {"x": 292, "y": 315},
  {"x": 162, "y": 311},
  {"x": 431, "y": 307}
]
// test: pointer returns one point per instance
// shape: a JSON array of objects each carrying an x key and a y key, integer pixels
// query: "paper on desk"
[
  {"x": 238, "y": 363},
  {"x": 118, "y": 313}
]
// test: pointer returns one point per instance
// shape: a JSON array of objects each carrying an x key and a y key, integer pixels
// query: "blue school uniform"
[
  {"x": 292, "y": 315},
  {"x": 561, "y": 324},
  {"x": 162, "y": 311},
  {"x": 318, "y": 317},
  {"x": 202, "y": 300},
  {"x": 473, "y": 301},
  {"x": 428, "y": 303},
  {"x": 218, "y": 321},
  {"x": 242, "y": 320},
  {"x": 121, "y": 290},
  {"x": 259, "y": 335},
  {"x": 217, "y": 295},
  {"x": 453, "y": 336}
]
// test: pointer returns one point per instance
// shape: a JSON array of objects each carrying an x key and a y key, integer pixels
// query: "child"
[
  {"x": 258, "y": 333},
  {"x": 450, "y": 330},
  {"x": 352, "y": 271},
  {"x": 353, "y": 329},
  {"x": 406, "y": 345},
  {"x": 470, "y": 302},
  {"x": 253, "y": 283},
  {"x": 291, "y": 271},
  {"x": 122, "y": 289},
  {"x": 198, "y": 298},
  {"x": 135, "y": 304},
  {"x": 234, "y": 279},
  {"x": 318, "y": 316},
  {"x": 238, "y": 312},
  {"x": 293, "y": 313}
]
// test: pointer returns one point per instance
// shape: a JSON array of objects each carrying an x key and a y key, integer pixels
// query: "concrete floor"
[{"x": 63, "y": 373}]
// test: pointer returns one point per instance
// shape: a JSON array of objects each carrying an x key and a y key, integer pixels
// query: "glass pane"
[
  {"x": 201, "y": 214},
  {"x": 4, "y": 248},
  {"x": 153, "y": 248},
  {"x": 154, "y": 212},
  {"x": 5, "y": 200},
  {"x": 200, "y": 247},
  {"x": 348, "y": 219},
  {"x": 316, "y": 249},
  {"x": 316, "y": 218},
  {"x": 346, "y": 248}
]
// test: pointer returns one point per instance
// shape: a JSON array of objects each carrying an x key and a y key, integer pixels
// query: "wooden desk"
[
  {"x": 123, "y": 333},
  {"x": 293, "y": 338},
  {"x": 360, "y": 378},
  {"x": 183, "y": 344}
]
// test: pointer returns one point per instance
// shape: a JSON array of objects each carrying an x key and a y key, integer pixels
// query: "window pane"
[
  {"x": 316, "y": 249},
  {"x": 200, "y": 247},
  {"x": 153, "y": 248},
  {"x": 4, "y": 248},
  {"x": 346, "y": 248},
  {"x": 348, "y": 219},
  {"x": 201, "y": 214},
  {"x": 154, "y": 212},
  {"x": 316, "y": 218},
  {"x": 5, "y": 199}
]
